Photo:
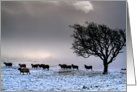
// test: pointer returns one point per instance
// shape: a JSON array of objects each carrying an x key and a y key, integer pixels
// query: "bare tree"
[{"x": 98, "y": 40}]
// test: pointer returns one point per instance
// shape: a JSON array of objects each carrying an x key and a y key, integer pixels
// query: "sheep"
[
  {"x": 74, "y": 66},
  {"x": 88, "y": 67},
  {"x": 24, "y": 70},
  {"x": 8, "y": 64},
  {"x": 34, "y": 65},
  {"x": 41, "y": 65},
  {"x": 46, "y": 67},
  {"x": 63, "y": 66},
  {"x": 22, "y": 65},
  {"x": 68, "y": 66}
]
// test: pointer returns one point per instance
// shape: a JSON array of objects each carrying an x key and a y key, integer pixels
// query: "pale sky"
[{"x": 40, "y": 29}]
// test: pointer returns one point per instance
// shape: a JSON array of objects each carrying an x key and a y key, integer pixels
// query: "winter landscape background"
[
  {"x": 38, "y": 32},
  {"x": 57, "y": 79}
]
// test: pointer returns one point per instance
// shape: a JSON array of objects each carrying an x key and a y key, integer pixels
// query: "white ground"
[{"x": 60, "y": 80}]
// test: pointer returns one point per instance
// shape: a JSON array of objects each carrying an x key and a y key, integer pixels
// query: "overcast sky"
[{"x": 41, "y": 29}]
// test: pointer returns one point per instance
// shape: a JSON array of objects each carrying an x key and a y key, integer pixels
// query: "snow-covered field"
[{"x": 61, "y": 80}]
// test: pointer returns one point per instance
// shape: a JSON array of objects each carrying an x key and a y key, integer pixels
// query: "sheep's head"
[{"x": 19, "y": 68}]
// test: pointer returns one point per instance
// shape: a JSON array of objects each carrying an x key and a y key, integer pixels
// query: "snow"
[{"x": 61, "y": 80}]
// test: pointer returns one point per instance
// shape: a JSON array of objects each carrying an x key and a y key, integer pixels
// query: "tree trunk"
[{"x": 105, "y": 67}]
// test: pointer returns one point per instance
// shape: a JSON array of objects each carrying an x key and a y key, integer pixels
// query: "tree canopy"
[{"x": 98, "y": 40}]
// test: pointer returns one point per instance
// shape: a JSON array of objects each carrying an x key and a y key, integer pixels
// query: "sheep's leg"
[{"x": 28, "y": 72}]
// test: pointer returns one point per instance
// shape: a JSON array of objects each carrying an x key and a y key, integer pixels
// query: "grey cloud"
[{"x": 39, "y": 8}]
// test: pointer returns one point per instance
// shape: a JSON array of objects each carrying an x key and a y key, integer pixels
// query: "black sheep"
[
  {"x": 63, "y": 66},
  {"x": 68, "y": 67},
  {"x": 74, "y": 66},
  {"x": 22, "y": 65},
  {"x": 46, "y": 67},
  {"x": 88, "y": 67},
  {"x": 41, "y": 65},
  {"x": 34, "y": 65},
  {"x": 8, "y": 64}
]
